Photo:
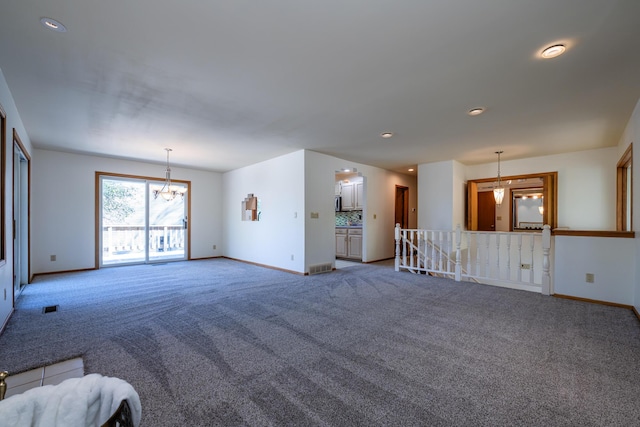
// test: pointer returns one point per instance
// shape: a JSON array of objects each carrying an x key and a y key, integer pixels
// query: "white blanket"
[{"x": 86, "y": 401}]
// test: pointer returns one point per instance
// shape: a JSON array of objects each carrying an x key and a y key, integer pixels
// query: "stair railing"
[{"x": 517, "y": 260}]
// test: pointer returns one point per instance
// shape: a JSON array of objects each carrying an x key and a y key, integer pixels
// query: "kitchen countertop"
[{"x": 349, "y": 226}]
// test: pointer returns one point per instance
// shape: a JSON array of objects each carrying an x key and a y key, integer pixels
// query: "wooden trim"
[
  {"x": 266, "y": 266},
  {"x": 594, "y": 233},
  {"x": 472, "y": 205},
  {"x": 624, "y": 210},
  {"x": 594, "y": 301},
  {"x": 550, "y": 193},
  {"x": 98, "y": 174},
  {"x": 627, "y": 157},
  {"x": 48, "y": 273}
]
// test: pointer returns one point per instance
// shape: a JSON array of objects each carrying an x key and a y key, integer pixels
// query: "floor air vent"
[
  {"x": 320, "y": 268},
  {"x": 50, "y": 309}
]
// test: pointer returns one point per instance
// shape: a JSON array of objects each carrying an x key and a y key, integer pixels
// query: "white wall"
[
  {"x": 632, "y": 135},
  {"x": 378, "y": 213},
  {"x": 6, "y": 266},
  {"x": 63, "y": 207},
  {"x": 586, "y": 184},
  {"x": 611, "y": 260},
  {"x": 279, "y": 234},
  {"x": 435, "y": 184}
]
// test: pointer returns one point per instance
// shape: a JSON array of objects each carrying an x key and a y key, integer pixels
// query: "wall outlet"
[
  {"x": 525, "y": 266},
  {"x": 291, "y": 257},
  {"x": 295, "y": 214},
  {"x": 375, "y": 216},
  {"x": 590, "y": 278},
  {"x": 315, "y": 215},
  {"x": 53, "y": 257},
  {"x": 499, "y": 218},
  {"x": 215, "y": 247}
]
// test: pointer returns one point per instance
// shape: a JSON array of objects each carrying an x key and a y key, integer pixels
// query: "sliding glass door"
[{"x": 138, "y": 227}]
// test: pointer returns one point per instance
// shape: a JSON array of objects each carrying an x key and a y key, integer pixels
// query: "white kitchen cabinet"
[
  {"x": 341, "y": 242},
  {"x": 359, "y": 195},
  {"x": 338, "y": 188},
  {"x": 354, "y": 243},
  {"x": 348, "y": 197},
  {"x": 349, "y": 243}
]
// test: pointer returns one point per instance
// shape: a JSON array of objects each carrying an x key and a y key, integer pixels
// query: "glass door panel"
[
  {"x": 123, "y": 221},
  {"x": 138, "y": 227},
  {"x": 167, "y": 225}
]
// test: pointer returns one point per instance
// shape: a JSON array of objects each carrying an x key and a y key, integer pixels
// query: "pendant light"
[
  {"x": 498, "y": 191},
  {"x": 168, "y": 192}
]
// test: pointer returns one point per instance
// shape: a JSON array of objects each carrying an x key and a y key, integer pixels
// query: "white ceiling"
[{"x": 230, "y": 83}]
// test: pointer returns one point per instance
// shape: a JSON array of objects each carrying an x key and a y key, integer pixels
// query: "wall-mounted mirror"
[
  {"x": 528, "y": 209},
  {"x": 519, "y": 210}
]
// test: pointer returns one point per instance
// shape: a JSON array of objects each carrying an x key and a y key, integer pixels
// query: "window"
[{"x": 624, "y": 192}]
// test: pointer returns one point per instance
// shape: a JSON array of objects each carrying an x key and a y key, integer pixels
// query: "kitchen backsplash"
[{"x": 349, "y": 218}]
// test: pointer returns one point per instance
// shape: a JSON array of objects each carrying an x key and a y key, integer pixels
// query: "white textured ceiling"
[{"x": 229, "y": 83}]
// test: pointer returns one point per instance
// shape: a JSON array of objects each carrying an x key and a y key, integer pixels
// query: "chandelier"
[
  {"x": 168, "y": 192},
  {"x": 498, "y": 191}
]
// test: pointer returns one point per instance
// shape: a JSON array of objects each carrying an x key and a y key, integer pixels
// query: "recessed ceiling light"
[
  {"x": 410, "y": 169},
  {"x": 53, "y": 25},
  {"x": 475, "y": 111},
  {"x": 553, "y": 51},
  {"x": 386, "y": 134}
]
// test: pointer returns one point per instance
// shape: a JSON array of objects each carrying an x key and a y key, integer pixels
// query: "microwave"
[{"x": 338, "y": 203}]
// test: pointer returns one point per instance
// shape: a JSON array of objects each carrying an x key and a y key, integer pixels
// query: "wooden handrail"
[{"x": 594, "y": 233}]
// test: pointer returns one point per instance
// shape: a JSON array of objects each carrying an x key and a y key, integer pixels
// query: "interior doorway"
[
  {"x": 402, "y": 206},
  {"x": 21, "y": 176},
  {"x": 486, "y": 211}
]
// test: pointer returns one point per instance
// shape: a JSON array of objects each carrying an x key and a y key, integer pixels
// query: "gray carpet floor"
[{"x": 218, "y": 342}]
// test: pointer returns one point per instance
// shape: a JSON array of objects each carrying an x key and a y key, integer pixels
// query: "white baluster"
[
  {"x": 508, "y": 236},
  {"x": 477, "y": 237},
  {"x": 397, "y": 237},
  {"x": 467, "y": 238},
  {"x": 533, "y": 240},
  {"x": 404, "y": 248},
  {"x": 519, "y": 257},
  {"x": 487, "y": 268},
  {"x": 546, "y": 248},
  {"x": 498, "y": 255},
  {"x": 458, "y": 271}
]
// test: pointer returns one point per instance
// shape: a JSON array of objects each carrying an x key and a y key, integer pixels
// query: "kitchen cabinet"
[
  {"x": 352, "y": 194},
  {"x": 349, "y": 243},
  {"x": 338, "y": 188},
  {"x": 359, "y": 195},
  {"x": 354, "y": 243},
  {"x": 348, "y": 197},
  {"x": 341, "y": 242}
]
